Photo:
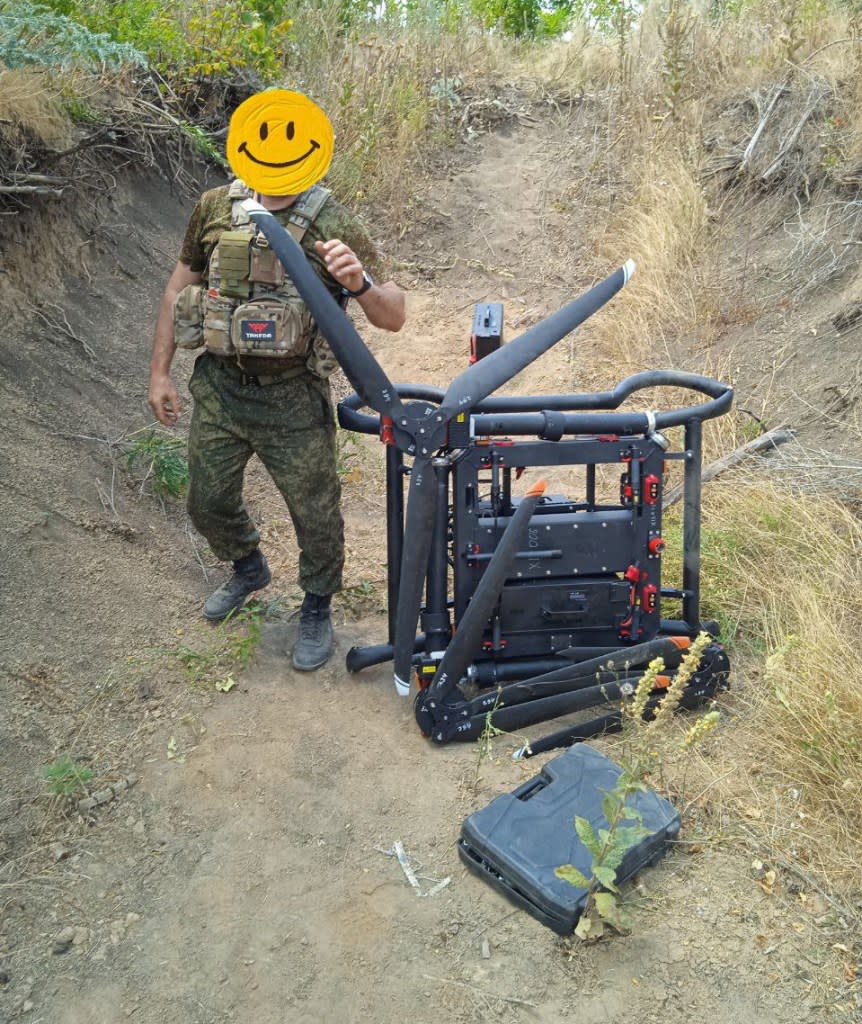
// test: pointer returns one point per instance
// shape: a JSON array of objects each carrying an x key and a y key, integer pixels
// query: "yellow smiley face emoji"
[{"x": 279, "y": 142}]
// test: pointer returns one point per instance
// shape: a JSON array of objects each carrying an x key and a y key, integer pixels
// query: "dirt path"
[{"x": 243, "y": 878}]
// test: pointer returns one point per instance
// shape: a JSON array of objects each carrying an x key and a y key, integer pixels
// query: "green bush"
[
  {"x": 197, "y": 40},
  {"x": 34, "y": 34},
  {"x": 524, "y": 17}
]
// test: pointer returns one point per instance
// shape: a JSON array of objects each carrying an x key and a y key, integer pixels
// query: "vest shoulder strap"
[
  {"x": 238, "y": 190},
  {"x": 303, "y": 213},
  {"x": 306, "y": 209}
]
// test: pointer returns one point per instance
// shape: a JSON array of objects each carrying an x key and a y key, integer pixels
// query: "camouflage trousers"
[{"x": 289, "y": 425}]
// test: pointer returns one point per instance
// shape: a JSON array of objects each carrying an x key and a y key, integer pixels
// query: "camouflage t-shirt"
[{"x": 211, "y": 216}]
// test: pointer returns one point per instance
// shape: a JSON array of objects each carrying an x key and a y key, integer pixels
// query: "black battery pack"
[
  {"x": 487, "y": 329},
  {"x": 517, "y": 841}
]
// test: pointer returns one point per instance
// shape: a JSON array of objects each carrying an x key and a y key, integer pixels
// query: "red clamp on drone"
[{"x": 386, "y": 434}]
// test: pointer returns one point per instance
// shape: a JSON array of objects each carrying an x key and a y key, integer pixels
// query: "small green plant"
[
  {"x": 79, "y": 111},
  {"x": 196, "y": 664},
  {"x": 232, "y": 645},
  {"x": 607, "y": 848},
  {"x": 347, "y": 455},
  {"x": 484, "y": 742},
  {"x": 65, "y": 777},
  {"x": 648, "y": 744},
  {"x": 163, "y": 460},
  {"x": 751, "y": 429},
  {"x": 360, "y": 598},
  {"x": 202, "y": 141},
  {"x": 241, "y": 643}
]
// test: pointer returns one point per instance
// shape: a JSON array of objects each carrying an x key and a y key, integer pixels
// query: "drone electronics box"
[
  {"x": 487, "y": 333},
  {"x": 517, "y": 841}
]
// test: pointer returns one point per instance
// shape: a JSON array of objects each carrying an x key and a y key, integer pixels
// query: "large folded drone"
[{"x": 555, "y": 602}]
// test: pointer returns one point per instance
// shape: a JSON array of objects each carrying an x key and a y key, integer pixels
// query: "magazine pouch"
[{"x": 217, "y": 323}]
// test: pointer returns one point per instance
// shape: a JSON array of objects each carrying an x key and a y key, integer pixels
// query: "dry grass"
[
  {"x": 568, "y": 69},
  {"x": 663, "y": 229},
  {"x": 783, "y": 572},
  {"x": 394, "y": 98},
  {"x": 30, "y": 107},
  {"x": 714, "y": 115}
]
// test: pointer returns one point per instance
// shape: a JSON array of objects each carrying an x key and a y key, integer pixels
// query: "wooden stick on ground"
[{"x": 765, "y": 443}]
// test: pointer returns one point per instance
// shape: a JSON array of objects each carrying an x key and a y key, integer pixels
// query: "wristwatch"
[{"x": 363, "y": 288}]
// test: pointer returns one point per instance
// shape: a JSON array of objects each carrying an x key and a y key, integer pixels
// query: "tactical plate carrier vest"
[{"x": 249, "y": 306}]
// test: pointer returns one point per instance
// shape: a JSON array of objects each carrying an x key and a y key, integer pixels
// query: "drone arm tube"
[
  {"x": 418, "y": 529},
  {"x": 517, "y": 716},
  {"x": 571, "y": 734},
  {"x": 720, "y": 395},
  {"x": 350, "y": 418},
  {"x": 539, "y": 424}
]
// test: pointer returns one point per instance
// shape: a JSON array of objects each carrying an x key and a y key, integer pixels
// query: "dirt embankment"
[{"x": 244, "y": 878}]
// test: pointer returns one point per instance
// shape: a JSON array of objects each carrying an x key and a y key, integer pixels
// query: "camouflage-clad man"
[{"x": 274, "y": 405}]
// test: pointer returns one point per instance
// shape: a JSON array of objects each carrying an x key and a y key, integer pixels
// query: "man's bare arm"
[
  {"x": 383, "y": 304},
  {"x": 162, "y": 396}
]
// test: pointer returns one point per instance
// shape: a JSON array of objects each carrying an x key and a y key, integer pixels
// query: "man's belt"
[{"x": 258, "y": 380}]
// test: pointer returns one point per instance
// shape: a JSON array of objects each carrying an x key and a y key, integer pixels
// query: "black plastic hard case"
[{"x": 517, "y": 841}]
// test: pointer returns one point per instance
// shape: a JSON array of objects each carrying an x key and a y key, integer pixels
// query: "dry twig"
[
  {"x": 61, "y": 325},
  {"x": 481, "y": 992}
]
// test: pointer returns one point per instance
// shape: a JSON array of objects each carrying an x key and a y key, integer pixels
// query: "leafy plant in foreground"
[
  {"x": 231, "y": 645},
  {"x": 163, "y": 457},
  {"x": 649, "y": 746}
]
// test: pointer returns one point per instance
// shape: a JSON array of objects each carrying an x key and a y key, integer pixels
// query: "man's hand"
[
  {"x": 164, "y": 400},
  {"x": 342, "y": 262},
  {"x": 383, "y": 304}
]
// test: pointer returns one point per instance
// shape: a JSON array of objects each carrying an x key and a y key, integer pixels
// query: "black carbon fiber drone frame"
[{"x": 553, "y": 602}]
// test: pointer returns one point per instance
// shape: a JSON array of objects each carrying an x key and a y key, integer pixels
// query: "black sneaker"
[
  {"x": 250, "y": 573},
  {"x": 314, "y": 646}
]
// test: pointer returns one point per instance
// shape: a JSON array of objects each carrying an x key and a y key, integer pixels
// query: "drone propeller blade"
[
  {"x": 463, "y": 645},
  {"x": 418, "y": 531},
  {"x": 359, "y": 365},
  {"x": 488, "y": 374}
]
